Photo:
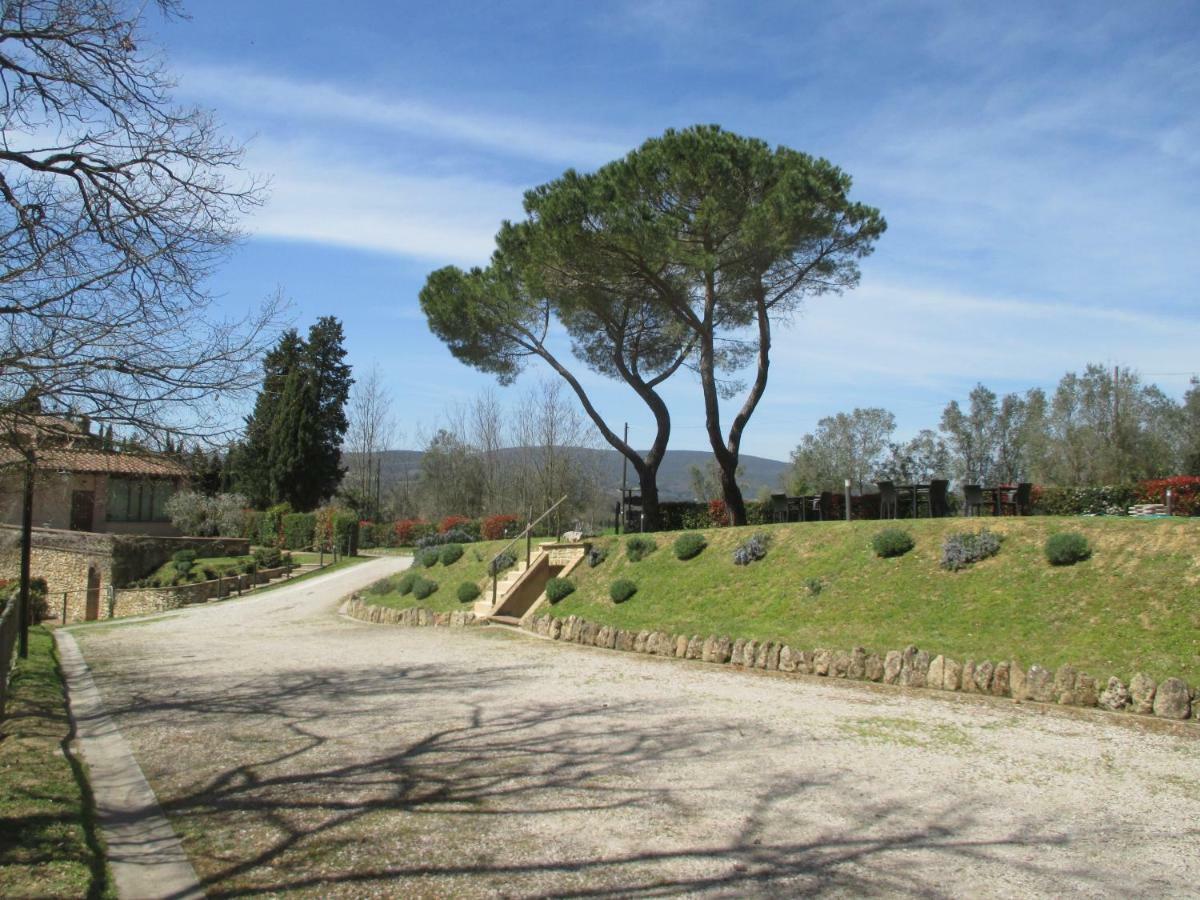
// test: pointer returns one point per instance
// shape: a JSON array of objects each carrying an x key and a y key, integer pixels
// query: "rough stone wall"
[{"x": 63, "y": 559}]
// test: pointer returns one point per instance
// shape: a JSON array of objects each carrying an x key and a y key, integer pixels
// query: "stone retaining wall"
[
  {"x": 910, "y": 667},
  {"x": 139, "y": 601},
  {"x": 414, "y": 616}
]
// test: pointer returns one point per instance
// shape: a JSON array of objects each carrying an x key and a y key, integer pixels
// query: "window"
[{"x": 138, "y": 501}]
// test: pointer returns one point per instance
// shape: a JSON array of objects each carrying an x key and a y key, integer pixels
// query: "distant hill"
[{"x": 674, "y": 476}]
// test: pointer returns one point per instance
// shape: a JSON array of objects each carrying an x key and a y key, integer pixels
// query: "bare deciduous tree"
[
  {"x": 114, "y": 207},
  {"x": 372, "y": 431}
]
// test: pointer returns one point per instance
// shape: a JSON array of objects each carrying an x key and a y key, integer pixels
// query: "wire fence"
[{"x": 8, "y": 643}]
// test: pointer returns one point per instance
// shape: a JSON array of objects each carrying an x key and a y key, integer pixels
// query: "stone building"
[{"x": 79, "y": 486}]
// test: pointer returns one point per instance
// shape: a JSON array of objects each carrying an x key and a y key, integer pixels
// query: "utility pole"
[{"x": 23, "y": 609}]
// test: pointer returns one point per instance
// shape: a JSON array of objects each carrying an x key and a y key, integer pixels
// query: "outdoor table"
[
  {"x": 913, "y": 490},
  {"x": 997, "y": 493}
]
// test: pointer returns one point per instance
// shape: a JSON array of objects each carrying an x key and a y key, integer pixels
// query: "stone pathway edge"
[{"x": 144, "y": 853}]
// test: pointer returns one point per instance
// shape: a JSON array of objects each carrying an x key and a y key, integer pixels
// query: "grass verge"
[
  {"x": 49, "y": 841},
  {"x": 470, "y": 567},
  {"x": 1134, "y": 606}
]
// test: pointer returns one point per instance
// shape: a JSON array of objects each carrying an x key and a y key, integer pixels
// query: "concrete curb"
[{"x": 144, "y": 853}]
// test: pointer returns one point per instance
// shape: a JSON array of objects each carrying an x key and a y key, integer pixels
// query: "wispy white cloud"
[
  {"x": 323, "y": 196},
  {"x": 324, "y": 104}
]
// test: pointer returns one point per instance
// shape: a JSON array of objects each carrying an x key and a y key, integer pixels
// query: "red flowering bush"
[
  {"x": 451, "y": 522},
  {"x": 718, "y": 515},
  {"x": 1185, "y": 493},
  {"x": 496, "y": 527},
  {"x": 408, "y": 530}
]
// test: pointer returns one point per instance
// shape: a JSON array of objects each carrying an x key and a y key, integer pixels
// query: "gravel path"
[{"x": 295, "y": 750}]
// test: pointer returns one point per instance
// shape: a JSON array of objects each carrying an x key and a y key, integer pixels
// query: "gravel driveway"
[{"x": 295, "y": 750}]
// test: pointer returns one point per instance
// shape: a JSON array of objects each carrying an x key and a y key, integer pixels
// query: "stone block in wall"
[
  {"x": 787, "y": 661},
  {"x": 1039, "y": 685},
  {"x": 983, "y": 677},
  {"x": 723, "y": 650},
  {"x": 822, "y": 661},
  {"x": 968, "y": 677},
  {"x": 1172, "y": 699},
  {"x": 695, "y": 647},
  {"x": 749, "y": 654},
  {"x": 1115, "y": 696},
  {"x": 625, "y": 640},
  {"x": 874, "y": 668},
  {"x": 639, "y": 642},
  {"x": 1085, "y": 690},
  {"x": 739, "y": 649},
  {"x": 937, "y": 673},
  {"x": 952, "y": 675},
  {"x": 1064, "y": 684},
  {"x": 839, "y": 666},
  {"x": 858, "y": 664},
  {"x": 761, "y": 654},
  {"x": 681, "y": 646},
  {"x": 892, "y": 664},
  {"x": 1141, "y": 694},
  {"x": 1000, "y": 679},
  {"x": 554, "y": 632},
  {"x": 773, "y": 657},
  {"x": 1016, "y": 681}
]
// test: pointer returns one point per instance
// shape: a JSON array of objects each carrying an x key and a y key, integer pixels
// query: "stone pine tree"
[
  {"x": 292, "y": 448},
  {"x": 728, "y": 236},
  {"x": 499, "y": 318}
]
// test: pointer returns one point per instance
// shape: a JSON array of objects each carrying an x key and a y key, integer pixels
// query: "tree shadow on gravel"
[{"x": 452, "y": 798}]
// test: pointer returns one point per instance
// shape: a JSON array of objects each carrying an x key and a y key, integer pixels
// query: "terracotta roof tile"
[{"x": 102, "y": 462}]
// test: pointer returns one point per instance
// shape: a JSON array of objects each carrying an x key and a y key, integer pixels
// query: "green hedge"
[
  {"x": 345, "y": 532},
  {"x": 270, "y": 525},
  {"x": 299, "y": 530},
  {"x": 1102, "y": 500}
]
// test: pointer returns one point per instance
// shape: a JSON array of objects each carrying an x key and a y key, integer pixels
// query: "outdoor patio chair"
[
  {"x": 889, "y": 500},
  {"x": 1020, "y": 502},
  {"x": 779, "y": 508},
  {"x": 974, "y": 502}
]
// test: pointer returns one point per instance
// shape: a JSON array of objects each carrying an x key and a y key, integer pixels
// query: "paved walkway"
[{"x": 297, "y": 751}]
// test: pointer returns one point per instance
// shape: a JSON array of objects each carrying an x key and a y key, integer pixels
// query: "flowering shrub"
[
  {"x": 494, "y": 528},
  {"x": 753, "y": 550},
  {"x": 1099, "y": 500},
  {"x": 718, "y": 515},
  {"x": 639, "y": 547},
  {"x": 409, "y": 530},
  {"x": 963, "y": 548},
  {"x": 452, "y": 522},
  {"x": 1185, "y": 493}
]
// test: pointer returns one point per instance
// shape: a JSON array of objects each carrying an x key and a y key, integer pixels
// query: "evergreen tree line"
[{"x": 1100, "y": 426}]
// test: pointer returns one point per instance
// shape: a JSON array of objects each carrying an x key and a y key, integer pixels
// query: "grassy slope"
[
  {"x": 45, "y": 819},
  {"x": 472, "y": 566},
  {"x": 1135, "y": 606}
]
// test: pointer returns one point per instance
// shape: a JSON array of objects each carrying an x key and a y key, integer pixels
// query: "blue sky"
[{"x": 1038, "y": 164}]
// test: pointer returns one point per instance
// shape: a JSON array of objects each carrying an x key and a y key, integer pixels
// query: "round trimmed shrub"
[
  {"x": 429, "y": 558},
  {"x": 558, "y": 588},
  {"x": 892, "y": 542},
  {"x": 1067, "y": 548},
  {"x": 596, "y": 555},
  {"x": 381, "y": 587},
  {"x": 689, "y": 545},
  {"x": 405, "y": 583},
  {"x": 621, "y": 590},
  {"x": 639, "y": 547},
  {"x": 468, "y": 591},
  {"x": 423, "y": 587},
  {"x": 451, "y": 554}
]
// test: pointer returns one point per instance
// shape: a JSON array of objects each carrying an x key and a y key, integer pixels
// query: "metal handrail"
[{"x": 527, "y": 533}]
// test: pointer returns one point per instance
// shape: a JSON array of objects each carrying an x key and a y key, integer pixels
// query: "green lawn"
[
  {"x": 1134, "y": 606},
  {"x": 49, "y": 844},
  {"x": 471, "y": 566}
]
